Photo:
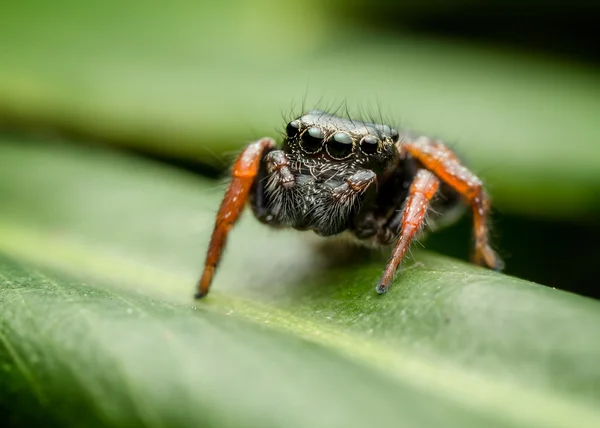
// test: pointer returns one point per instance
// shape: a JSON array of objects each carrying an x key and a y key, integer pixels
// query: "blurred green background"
[{"x": 118, "y": 121}]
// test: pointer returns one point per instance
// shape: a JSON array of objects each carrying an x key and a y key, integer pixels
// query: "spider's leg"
[
  {"x": 422, "y": 190},
  {"x": 440, "y": 160},
  {"x": 245, "y": 169}
]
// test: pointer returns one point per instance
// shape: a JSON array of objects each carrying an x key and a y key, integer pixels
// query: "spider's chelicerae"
[{"x": 334, "y": 174}]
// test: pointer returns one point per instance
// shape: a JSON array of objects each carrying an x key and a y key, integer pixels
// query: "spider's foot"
[
  {"x": 485, "y": 256},
  {"x": 382, "y": 288},
  {"x": 199, "y": 295}
]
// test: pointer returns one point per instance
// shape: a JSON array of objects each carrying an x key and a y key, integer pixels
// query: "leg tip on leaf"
[{"x": 381, "y": 289}]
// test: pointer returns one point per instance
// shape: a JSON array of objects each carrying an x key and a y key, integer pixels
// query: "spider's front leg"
[
  {"x": 245, "y": 170},
  {"x": 440, "y": 160},
  {"x": 422, "y": 191}
]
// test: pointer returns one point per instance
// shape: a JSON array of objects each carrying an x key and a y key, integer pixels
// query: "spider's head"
[{"x": 321, "y": 135}]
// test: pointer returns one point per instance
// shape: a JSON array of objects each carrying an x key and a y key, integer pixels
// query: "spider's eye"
[
  {"x": 369, "y": 144},
  {"x": 292, "y": 129},
  {"x": 394, "y": 135},
  {"x": 312, "y": 140},
  {"x": 340, "y": 145}
]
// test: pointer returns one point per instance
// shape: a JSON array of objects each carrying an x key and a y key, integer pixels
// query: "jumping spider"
[{"x": 334, "y": 174}]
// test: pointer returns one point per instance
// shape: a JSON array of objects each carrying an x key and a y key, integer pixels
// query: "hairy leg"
[
  {"x": 440, "y": 160},
  {"x": 422, "y": 191},
  {"x": 245, "y": 170},
  {"x": 371, "y": 224}
]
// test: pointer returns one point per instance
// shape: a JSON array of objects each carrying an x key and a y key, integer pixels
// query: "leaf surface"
[{"x": 100, "y": 253}]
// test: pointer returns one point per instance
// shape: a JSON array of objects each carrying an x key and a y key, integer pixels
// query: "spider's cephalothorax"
[
  {"x": 327, "y": 168},
  {"x": 334, "y": 174}
]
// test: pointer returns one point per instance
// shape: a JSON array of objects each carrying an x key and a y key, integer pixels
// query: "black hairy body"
[{"x": 319, "y": 194}]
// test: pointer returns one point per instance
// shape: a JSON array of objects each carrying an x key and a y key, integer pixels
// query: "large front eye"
[
  {"x": 292, "y": 129},
  {"x": 340, "y": 145},
  {"x": 369, "y": 144},
  {"x": 312, "y": 140}
]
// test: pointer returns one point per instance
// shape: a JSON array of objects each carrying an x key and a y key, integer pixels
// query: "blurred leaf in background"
[{"x": 194, "y": 81}]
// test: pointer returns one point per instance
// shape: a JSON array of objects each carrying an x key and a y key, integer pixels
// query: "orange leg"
[
  {"x": 440, "y": 160},
  {"x": 245, "y": 170},
  {"x": 422, "y": 190}
]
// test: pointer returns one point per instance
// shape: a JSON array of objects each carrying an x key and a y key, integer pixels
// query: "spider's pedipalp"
[{"x": 279, "y": 165}]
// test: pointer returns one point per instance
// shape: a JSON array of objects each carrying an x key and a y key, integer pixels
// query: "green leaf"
[
  {"x": 188, "y": 81},
  {"x": 100, "y": 254}
]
